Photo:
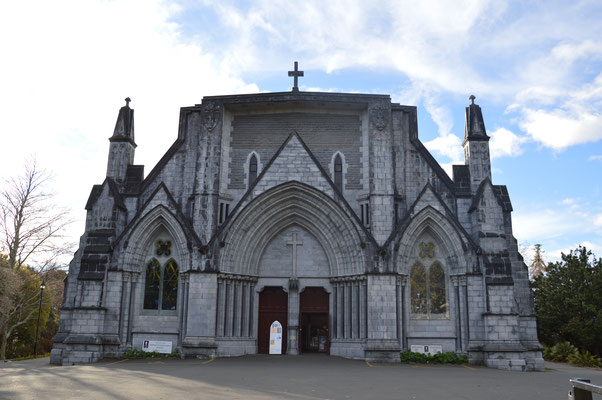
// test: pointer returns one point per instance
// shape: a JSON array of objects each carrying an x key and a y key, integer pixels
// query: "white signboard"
[
  {"x": 276, "y": 338},
  {"x": 427, "y": 349},
  {"x": 159, "y": 346}
]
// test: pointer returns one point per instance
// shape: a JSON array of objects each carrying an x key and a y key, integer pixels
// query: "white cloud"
[
  {"x": 447, "y": 145},
  {"x": 505, "y": 143},
  {"x": 70, "y": 69},
  {"x": 598, "y": 220},
  {"x": 594, "y": 158},
  {"x": 559, "y": 129},
  {"x": 568, "y": 201}
]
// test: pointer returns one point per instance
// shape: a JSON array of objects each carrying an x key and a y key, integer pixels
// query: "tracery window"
[
  {"x": 161, "y": 280},
  {"x": 427, "y": 286}
]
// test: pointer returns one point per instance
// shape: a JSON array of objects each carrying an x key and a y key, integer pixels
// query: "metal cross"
[
  {"x": 294, "y": 243},
  {"x": 296, "y": 73}
]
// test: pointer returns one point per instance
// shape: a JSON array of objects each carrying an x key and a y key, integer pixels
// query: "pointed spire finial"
[
  {"x": 127, "y": 101},
  {"x": 471, "y": 98}
]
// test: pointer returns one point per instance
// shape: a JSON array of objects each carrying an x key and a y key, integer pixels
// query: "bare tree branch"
[{"x": 31, "y": 229}]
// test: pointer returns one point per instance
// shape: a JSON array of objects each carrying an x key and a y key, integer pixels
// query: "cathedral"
[{"x": 297, "y": 222}]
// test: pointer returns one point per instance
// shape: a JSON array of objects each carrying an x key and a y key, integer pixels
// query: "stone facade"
[{"x": 290, "y": 191}]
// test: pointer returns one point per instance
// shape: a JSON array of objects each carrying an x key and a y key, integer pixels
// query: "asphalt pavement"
[{"x": 280, "y": 377}]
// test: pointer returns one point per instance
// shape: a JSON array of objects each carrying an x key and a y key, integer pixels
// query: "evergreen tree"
[{"x": 568, "y": 301}]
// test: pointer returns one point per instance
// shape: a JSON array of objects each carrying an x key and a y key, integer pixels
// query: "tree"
[
  {"x": 538, "y": 266},
  {"x": 31, "y": 236},
  {"x": 568, "y": 301}
]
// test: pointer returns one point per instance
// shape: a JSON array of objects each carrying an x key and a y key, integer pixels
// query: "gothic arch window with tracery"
[
  {"x": 428, "y": 299},
  {"x": 161, "y": 280}
]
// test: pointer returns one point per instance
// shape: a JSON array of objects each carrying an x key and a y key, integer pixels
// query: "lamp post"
[{"x": 35, "y": 344}]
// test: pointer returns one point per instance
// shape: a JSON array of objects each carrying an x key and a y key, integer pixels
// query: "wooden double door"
[{"x": 314, "y": 319}]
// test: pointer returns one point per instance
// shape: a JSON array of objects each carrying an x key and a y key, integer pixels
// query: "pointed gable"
[
  {"x": 161, "y": 197},
  {"x": 293, "y": 162}
]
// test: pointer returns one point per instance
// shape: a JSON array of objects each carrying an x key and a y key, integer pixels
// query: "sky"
[{"x": 535, "y": 68}]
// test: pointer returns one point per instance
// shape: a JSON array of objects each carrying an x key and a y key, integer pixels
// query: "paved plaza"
[{"x": 280, "y": 377}]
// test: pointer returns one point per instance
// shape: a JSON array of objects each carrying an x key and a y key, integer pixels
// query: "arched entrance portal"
[
  {"x": 314, "y": 321},
  {"x": 273, "y": 306}
]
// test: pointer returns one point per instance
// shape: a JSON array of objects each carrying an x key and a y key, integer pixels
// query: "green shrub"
[
  {"x": 450, "y": 357},
  {"x": 584, "y": 359},
  {"x": 137, "y": 353},
  {"x": 562, "y": 351},
  {"x": 548, "y": 353}
]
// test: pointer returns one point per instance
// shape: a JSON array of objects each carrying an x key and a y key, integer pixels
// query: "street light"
[{"x": 35, "y": 344}]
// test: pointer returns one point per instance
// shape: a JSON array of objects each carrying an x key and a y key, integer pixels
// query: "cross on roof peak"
[
  {"x": 127, "y": 101},
  {"x": 471, "y": 98},
  {"x": 296, "y": 74}
]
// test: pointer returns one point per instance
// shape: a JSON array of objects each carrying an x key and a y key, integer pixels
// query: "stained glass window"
[
  {"x": 152, "y": 285},
  {"x": 427, "y": 291},
  {"x": 161, "y": 280},
  {"x": 418, "y": 289},
  {"x": 170, "y": 286},
  {"x": 437, "y": 289},
  {"x": 338, "y": 172}
]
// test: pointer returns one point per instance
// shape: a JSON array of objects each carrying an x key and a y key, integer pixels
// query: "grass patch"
[
  {"x": 30, "y": 357},
  {"x": 450, "y": 357},
  {"x": 136, "y": 353}
]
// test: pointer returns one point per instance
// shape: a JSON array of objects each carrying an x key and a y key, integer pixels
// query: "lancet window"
[
  {"x": 161, "y": 280},
  {"x": 338, "y": 172},
  {"x": 427, "y": 286},
  {"x": 252, "y": 169}
]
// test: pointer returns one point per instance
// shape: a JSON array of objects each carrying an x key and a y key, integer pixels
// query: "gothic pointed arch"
[
  {"x": 430, "y": 223},
  {"x": 292, "y": 203},
  {"x": 159, "y": 220}
]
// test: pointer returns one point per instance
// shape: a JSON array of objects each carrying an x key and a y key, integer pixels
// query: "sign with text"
[
  {"x": 159, "y": 346},
  {"x": 276, "y": 338},
  {"x": 427, "y": 349}
]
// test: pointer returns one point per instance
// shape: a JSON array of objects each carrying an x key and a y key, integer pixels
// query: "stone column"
[
  {"x": 293, "y": 317},
  {"x": 382, "y": 343},
  {"x": 381, "y": 170},
  {"x": 201, "y": 315}
]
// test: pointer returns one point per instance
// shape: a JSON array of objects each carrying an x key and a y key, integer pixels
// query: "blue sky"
[{"x": 535, "y": 68}]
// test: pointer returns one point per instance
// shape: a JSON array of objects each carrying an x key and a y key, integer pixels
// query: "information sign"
[
  {"x": 276, "y": 338},
  {"x": 159, "y": 346},
  {"x": 427, "y": 349}
]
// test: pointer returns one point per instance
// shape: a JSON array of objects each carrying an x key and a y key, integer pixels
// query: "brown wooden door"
[
  {"x": 273, "y": 306},
  {"x": 314, "y": 320}
]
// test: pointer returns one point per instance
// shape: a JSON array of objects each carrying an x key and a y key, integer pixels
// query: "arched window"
[
  {"x": 252, "y": 169},
  {"x": 338, "y": 172},
  {"x": 418, "y": 289},
  {"x": 152, "y": 285},
  {"x": 170, "y": 286},
  {"x": 427, "y": 291},
  {"x": 161, "y": 280}
]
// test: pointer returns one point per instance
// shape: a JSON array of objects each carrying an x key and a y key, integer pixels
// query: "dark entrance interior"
[
  {"x": 314, "y": 321},
  {"x": 273, "y": 306}
]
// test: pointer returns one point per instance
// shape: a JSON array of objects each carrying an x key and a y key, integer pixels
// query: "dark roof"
[
  {"x": 462, "y": 180},
  {"x": 113, "y": 192},
  {"x": 500, "y": 192},
  {"x": 474, "y": 128}
]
